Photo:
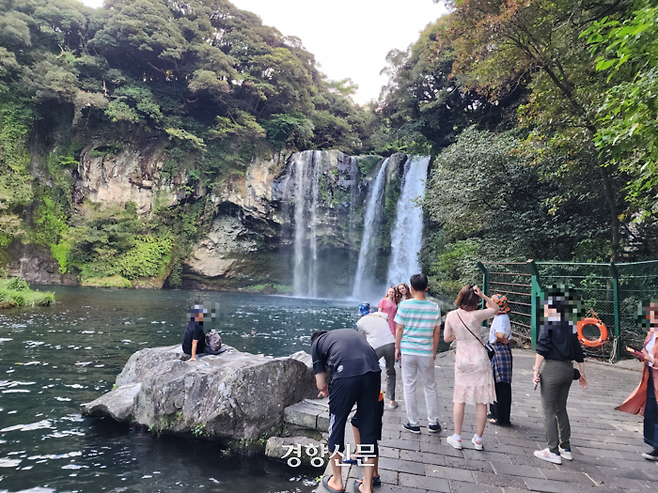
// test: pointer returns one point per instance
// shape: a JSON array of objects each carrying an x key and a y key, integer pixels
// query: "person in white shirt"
[
  {"x": 501, "y": 364},
  {"x": 374, "y": 326}
]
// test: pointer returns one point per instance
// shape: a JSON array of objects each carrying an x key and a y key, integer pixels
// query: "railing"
[{"x": 612, "y": 290}]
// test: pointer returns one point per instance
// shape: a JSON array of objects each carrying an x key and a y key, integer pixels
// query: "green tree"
[
  {"x": 627, "y": 120},
  {"x": 502, "y": 44}
]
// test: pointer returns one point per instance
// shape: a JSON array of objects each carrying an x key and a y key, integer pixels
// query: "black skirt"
[{"x": 651, "y": 414}]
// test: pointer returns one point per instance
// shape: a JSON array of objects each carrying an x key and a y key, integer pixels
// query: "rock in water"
[{"x": 234, "y": 395}]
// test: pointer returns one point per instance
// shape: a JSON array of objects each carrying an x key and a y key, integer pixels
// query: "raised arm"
[{"x": 490, "y": 303}]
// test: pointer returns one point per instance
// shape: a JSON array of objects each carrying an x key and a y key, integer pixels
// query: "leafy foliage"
[
  {"x": 494, "y": 199},
  {"x": 628, "y": 117}
]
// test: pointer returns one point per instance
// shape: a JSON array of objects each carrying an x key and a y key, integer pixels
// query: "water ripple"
[{"x": 39, "y": 425}]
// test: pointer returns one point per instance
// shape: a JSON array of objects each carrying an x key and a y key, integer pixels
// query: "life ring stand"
[{"x": 593, "y": 319}]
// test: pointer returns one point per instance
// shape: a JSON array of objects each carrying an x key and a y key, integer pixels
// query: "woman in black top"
[{"x": 557, "y": 346}]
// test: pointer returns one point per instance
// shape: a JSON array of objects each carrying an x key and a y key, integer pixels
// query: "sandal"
[
  {"x": 325, "y": 483},
  {"x": 376, "y": 481},
  {"x": 353, "y": 461}
]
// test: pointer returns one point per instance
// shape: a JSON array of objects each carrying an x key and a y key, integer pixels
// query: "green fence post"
[
  {"x": 485, "y": 278},
  {"x": 485, "y": 285},
  {"x": 615, "y": 298},
  {"x": 534, "y": 302}
]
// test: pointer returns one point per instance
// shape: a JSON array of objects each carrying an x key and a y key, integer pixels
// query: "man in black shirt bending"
[
  {"x": 355, "y": 379},
  {"x": 194, "y": 339}
]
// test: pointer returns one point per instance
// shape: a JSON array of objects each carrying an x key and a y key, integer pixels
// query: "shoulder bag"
[{"x": 490, "y": 350}]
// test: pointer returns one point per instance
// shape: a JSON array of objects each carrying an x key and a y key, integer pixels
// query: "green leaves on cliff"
[
  {"x": 15, "y": 179},
  {"x": 115, "y": 242}
]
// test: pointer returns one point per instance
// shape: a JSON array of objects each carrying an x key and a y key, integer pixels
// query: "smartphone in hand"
[{"x": 636, "y": 353}]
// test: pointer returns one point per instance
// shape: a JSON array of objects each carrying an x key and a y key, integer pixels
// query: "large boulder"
[{"x": 233, "y": 395}]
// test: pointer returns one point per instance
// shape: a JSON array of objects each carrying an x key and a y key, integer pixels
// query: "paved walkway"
[{"x": 606, "y": 443}]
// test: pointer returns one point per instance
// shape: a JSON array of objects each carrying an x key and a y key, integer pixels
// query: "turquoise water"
[{"x": 54, "y": 359}]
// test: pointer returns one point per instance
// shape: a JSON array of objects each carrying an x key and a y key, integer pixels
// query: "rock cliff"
[{"x": 249, "y": 240}]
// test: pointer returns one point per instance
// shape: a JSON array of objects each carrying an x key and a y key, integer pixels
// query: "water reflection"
[{"x": 54, "y": 359}]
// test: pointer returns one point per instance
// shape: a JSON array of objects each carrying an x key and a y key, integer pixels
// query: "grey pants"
[
  {"x": 556, "y": 379},
  {"x": 387, "y": 351}
]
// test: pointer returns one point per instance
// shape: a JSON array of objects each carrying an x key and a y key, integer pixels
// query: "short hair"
[
  {"x": 316, "y": 335},
  {"x": 467, "y": 299},
  {"x": 418, "y": 282}
]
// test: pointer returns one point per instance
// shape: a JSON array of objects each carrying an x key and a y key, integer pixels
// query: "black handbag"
[{"x": 490, "y": 349}]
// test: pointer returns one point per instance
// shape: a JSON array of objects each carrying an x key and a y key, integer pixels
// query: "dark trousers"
[
  {"x": 651, "y": 414},
  {"x": 500, "y": 410},
  {"x": 556, "y": 379},
  {"x": 362, "y": 390}
]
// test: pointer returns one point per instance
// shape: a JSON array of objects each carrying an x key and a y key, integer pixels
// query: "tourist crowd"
[
  {"x": 406, "y": 329},
  {"x": 483, "y": 372}
]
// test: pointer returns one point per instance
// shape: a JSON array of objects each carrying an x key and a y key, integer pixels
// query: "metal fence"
[{"x": 612, "y": 290}]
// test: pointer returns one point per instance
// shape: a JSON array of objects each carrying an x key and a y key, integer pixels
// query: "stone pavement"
[{"x": 606, "y": 443}]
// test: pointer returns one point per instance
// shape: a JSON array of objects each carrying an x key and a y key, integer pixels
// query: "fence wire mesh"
[
  {"x": 513, "y": 280},
  {"x": 595, "y": 285}
]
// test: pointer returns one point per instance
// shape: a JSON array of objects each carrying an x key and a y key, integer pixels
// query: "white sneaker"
[
  {"x": 565, "y": 454},
  {"x": 548, "y": 456},
  {"x": 477, "y": 444},
  {"x": 454, "y": 442}
]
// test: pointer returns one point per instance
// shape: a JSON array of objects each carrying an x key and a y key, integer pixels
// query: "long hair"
[
  {"x": 399, "y": 295},
  {"x": 396, "y": 295}
]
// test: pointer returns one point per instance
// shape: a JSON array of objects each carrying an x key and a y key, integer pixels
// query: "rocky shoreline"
[{"x": 231, "y": 397}]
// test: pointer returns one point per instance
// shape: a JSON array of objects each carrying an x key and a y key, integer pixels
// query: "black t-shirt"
[
  {"x": 346, "y": 352},
  {"x": 557, "y": 341},
  {"x": 194, "y": 332}
]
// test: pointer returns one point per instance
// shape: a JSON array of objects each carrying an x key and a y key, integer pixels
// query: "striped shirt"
[{"x": 419, "y": 318}]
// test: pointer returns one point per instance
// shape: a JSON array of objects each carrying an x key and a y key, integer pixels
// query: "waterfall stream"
[
  {"x": 307, "y": 174},
  {"x": 407, "y": 233},
  {"x": 372, "y": 219}
]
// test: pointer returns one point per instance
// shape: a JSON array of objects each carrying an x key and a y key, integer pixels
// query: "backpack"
[{"x": 213, "y": 341}]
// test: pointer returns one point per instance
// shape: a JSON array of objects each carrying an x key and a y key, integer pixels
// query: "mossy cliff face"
[{"x": 233, "y": 232}]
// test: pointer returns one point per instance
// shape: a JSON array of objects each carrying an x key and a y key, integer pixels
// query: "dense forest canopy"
[{"x": 541, "y": 117}]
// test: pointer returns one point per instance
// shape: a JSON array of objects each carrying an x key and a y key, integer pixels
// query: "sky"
[{"x": 349, "y": 38}]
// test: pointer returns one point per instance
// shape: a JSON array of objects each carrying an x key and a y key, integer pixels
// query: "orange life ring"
[{"x": 599, "y": 324}]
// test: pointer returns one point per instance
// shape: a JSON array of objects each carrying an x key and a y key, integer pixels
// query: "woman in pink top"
[{"x": 390, "y": 307}]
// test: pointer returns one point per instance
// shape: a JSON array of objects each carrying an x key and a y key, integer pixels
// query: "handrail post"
[
  {"x": 615, "y": 297},
  {"x": 485, "y": 280},
  {"x": 535, "y": 294}
]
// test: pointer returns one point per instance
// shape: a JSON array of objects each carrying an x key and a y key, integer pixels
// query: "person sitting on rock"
[
  {"x": 194, "y": 339},
  {"x": 355, "y": 380}
]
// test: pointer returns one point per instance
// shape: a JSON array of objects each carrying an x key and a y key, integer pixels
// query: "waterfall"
[
  {"x": 306, "y": 181},
  {"x": 371, "y": 222},
  {"x": 407, "y": 233}
]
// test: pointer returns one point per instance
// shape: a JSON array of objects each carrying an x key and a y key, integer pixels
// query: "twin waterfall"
[
  {"x": 407, "y": 233},
  {"x": 302, "y": 190}
]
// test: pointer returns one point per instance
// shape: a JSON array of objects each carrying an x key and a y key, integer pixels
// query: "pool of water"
[{"x": 54, "y": 359}]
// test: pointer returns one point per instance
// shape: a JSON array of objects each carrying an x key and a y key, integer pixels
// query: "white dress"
[{"x": 474, "y": 383}]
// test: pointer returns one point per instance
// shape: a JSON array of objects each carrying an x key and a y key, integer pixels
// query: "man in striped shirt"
[{"x": 416, "y": 340}]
